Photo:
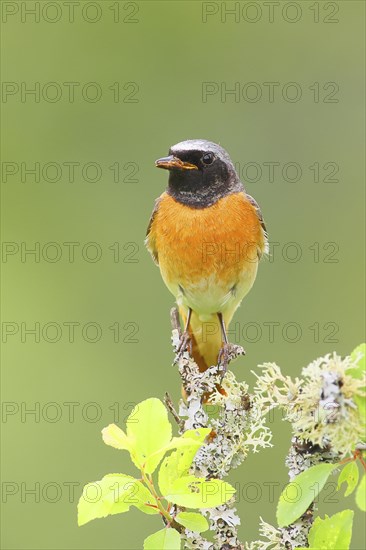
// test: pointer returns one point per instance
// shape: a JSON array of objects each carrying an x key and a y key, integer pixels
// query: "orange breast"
[{"x": 193, "y": 244}]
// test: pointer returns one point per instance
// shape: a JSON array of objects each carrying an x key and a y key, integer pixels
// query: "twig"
[
  {"x": 221, "y": 454},
  {"x": 170, "y": 406}
]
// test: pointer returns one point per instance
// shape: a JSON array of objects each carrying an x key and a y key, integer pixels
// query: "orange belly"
[
  {"x": 207, "y": 253},
  {"x": 208, "y": 259}
]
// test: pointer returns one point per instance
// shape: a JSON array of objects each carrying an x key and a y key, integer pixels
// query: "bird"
[{"x": 207, "y": 236}]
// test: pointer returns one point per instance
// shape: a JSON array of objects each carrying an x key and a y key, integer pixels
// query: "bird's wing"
[
  {"x": 261, "y": 220},
  {"x": 150, "y": 241},
  {"x": 259, "y": 213}
]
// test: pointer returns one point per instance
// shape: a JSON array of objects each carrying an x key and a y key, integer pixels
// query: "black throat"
[{"x": 192, "y": 190}]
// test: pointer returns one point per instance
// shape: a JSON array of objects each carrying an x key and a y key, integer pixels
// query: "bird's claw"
[
  {"x": 226, "y": 354},
  {"x": 185, "y": 344}
]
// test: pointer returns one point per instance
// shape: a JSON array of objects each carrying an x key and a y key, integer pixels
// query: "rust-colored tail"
[{"x": 206, "y": 339}]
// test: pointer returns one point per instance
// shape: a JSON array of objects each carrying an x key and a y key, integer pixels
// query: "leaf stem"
[{"x": 150, "y": 486}]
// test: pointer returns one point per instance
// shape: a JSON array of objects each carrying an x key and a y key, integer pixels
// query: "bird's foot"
[
  {"x": 227, "y": 353},
  {"x": 185, "y": 344}
]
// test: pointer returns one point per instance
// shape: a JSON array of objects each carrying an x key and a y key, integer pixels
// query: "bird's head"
[{"x": 200, "y": 173}]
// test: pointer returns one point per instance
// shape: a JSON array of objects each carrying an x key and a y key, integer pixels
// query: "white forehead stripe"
[
  {"x": 199, "y": 145},
  {"x": 195, "y": 145}
]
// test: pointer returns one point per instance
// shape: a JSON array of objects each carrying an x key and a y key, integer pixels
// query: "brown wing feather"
[
  {"x": 149, "y": 241},
  {"x": 259, "y": 213},
  {"x": 260, "y": 218}
]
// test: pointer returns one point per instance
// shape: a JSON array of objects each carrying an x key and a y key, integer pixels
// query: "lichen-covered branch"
[
  {"x": 302, "y": 456},
  {"x": 325, "y": 423},
  {"x": 237, "y": 426},
  {"x": 321, "y": 407}
]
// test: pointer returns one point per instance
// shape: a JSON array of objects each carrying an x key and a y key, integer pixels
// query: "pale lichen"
[
  {"x": 224, "y": 520},
  {"x": 321, "y": 407},
  {"x": 238, "y": 427},
  {"x": 326, "y": 424},
  {"x": 271, "y": 535},
  {"x": 194, "y": 541}
]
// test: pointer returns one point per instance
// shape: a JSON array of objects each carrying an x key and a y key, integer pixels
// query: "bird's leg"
[
  {"x": 185, "y": 342},
  {"x": 223, "y": 359},
  {"x": 228, "y": 351}
]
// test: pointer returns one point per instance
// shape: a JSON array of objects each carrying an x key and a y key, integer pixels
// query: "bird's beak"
[{"x": 171, "y": 162}]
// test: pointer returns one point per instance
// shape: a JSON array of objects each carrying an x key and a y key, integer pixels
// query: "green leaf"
[
  {"x": 196, "y": 492},
  {"x": 184, "y": 441},
  {"x": 192, "y": 521},
  {"x": 166, "y": 539},
  {"x": 178, "y": 463},
  {"x": 361, "y": 494},
  {"x": 332, "y": 533},
  {"x": 358, "y": 355},
  {"x": 361, "y": 405},
  {"x": 169, "y": 471},
  {"x": 148, "y": 426},
  {"x": 114, "y": 494},
  {"x": 115, "y": 437},
  {"x": 300, "y": 493},
  {"x": 350, "y": 475}
]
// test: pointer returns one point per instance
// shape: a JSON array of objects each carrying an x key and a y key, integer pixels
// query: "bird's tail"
[{"x": 206, "y": 337}]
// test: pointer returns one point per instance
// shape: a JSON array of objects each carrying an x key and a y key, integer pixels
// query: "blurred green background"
[{"x": 168, "y": 52}]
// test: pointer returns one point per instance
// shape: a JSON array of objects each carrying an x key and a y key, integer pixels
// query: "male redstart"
[{"x": 207, "y": 236}]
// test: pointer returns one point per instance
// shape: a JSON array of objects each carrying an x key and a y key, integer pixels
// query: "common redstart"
[{"x": 207, "y": 235}]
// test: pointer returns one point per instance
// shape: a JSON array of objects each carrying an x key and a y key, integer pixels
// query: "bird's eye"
[{"x": 208, "y": 158}]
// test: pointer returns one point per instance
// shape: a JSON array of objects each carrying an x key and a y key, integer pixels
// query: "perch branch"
[{"x": 232, "y": 430}]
